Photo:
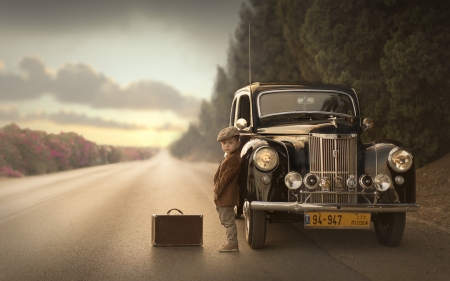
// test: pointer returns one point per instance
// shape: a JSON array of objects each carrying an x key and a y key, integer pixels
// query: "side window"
[
  {"x": 244, "y": 108},
  {"x": 233, "y": 113}
]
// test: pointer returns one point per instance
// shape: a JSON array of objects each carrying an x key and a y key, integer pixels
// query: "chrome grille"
[{"x": 333, "y": 157}]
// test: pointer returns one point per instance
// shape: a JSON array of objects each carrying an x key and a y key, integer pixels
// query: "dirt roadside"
[{"x": 433, "y": 194}]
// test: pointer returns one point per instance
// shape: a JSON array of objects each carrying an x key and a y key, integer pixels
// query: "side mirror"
[
  {"x": 367, "y": 123},
  {"x": 241, "y": 123}
]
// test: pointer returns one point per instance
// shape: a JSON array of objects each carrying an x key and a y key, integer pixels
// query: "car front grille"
[{"x": 333, "y": 157}]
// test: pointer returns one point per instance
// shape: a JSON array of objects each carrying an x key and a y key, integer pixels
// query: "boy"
[{"x": 226, "y": 189}]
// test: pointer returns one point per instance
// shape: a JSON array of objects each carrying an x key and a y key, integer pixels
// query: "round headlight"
[
  {"x": 400, "y": 160},
  {"x": 266, "y": 158},
  {"x": 311, "y": 181},
  {"x": 382, "y": 182},
  {"x": 293, "y": 180}
]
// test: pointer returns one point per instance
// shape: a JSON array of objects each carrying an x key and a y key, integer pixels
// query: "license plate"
[{"x": 337, "y": 220}]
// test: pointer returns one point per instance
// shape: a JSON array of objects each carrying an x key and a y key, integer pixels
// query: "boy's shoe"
[{"x": 229, "y": 248}]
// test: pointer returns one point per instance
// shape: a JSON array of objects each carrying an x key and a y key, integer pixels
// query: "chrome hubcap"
[{"x": 246, "y": 211}]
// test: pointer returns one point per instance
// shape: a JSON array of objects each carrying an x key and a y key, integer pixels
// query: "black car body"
[{"x": 303, "y": 160}]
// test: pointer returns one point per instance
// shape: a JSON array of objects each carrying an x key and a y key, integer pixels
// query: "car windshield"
[{"x": 274, "y": 103}]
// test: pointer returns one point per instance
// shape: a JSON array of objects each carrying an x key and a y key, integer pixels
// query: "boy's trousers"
[{"x": 226, "y": 216}]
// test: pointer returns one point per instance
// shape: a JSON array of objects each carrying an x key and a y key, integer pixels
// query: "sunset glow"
[{"x": 135, "y": 75}]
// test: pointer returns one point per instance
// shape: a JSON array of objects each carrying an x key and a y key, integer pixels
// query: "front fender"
[
  {"x": 373, "y": 160},
  {"x": 251, "y": 186}
]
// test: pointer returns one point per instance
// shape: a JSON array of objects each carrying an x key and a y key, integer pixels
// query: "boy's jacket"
[{"x": 226, "y": 181}]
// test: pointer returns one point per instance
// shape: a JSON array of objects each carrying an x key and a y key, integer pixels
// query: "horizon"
[{"x": 67, "y": 69}]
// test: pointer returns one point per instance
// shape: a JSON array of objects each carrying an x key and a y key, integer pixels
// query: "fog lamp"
[
  {"x": 399, "y": 180},
  {"x": 382, "y": 182},
  {"x": 311, "y": 181},
  {"x": 293, "y": 180},
  {"x": 366, "y": 181}
]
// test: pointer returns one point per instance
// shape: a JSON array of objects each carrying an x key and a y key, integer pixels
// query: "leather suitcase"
[{"x": 177, "y": 230}]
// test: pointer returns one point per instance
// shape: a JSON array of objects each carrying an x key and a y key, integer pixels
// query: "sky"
[{"x": 124, "y": 73}]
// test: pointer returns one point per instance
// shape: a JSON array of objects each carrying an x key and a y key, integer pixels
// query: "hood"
[
  {"x": 305, "y": 129},
  {"x": 342, "y": 128}
]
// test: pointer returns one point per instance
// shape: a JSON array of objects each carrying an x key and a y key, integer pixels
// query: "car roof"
[{"x": 257, "y": 88}]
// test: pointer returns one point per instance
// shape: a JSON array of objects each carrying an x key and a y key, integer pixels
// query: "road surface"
[{"x": 95, "y": 224}]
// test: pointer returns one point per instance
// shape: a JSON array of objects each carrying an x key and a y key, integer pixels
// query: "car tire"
[
  {"x": 255, "y": 227},
  {"x": 389, "y": 228}
]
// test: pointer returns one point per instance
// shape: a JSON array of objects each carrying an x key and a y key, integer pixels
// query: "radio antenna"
[{"x": 249, "y": 57}]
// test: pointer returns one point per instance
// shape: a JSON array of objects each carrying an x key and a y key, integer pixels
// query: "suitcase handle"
[{"x": 168, "y": 212}]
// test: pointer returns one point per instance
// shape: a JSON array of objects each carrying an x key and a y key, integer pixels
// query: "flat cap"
[{"x": 227, "y": 133}]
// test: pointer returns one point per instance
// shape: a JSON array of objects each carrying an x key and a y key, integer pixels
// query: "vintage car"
[{"x": 303, "y": 160}]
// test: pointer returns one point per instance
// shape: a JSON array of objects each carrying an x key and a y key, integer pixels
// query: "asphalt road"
[{"x": 95, "y": 224}]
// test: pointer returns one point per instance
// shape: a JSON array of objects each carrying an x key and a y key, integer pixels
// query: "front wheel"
[
  {"x": 389, "y": 228},
  {"x": 255, "y": 227}
]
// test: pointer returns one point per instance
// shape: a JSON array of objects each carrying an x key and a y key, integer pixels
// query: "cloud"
[
  {"x": 82, "y": 84},
  {"x": 9, "y": 114},
  {"x": 68, "y": 118},
  {"x": 71, "y": 118},
  {"x": 170, "y": 127},
  {"x": 30, "y": 85},
  {"x": 201, "y": 19}
]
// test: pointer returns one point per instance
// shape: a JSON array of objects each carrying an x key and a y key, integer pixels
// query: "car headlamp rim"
[
  {"x": 265, "y": 155},
  {"x": 400, "y": 159},
  {"x": 293, "y": 180},
  {"x": 270, "y": 159}
]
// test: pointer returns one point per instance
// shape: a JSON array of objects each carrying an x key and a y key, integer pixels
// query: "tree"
[
  {"x": 394, "y": 53},
  {"x": 416, "y": 70},
  {"x": 271, "y": 61}
]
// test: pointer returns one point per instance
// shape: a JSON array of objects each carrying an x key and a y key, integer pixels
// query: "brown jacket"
[{"x": 226, "y": 181}]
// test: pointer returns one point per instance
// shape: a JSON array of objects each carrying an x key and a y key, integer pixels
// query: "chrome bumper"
[{"x": 323, "y": 207}]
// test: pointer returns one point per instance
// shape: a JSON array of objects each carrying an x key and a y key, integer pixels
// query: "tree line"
[
  {"x": 29, "y": 152},
  {"x": 394, "y": 53}
]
